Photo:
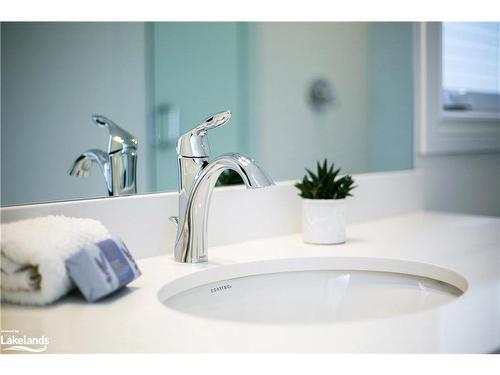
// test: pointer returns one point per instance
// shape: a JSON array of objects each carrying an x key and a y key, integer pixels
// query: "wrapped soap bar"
[{"x": 101, "y": 268}]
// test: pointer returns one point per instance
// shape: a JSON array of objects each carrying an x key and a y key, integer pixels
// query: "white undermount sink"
[{"x": 312, "y": 290}]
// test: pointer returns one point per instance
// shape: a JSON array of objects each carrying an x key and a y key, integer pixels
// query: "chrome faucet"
[
  {"x": 197, "y": 178},
  {"x": 118, "y": 165}
]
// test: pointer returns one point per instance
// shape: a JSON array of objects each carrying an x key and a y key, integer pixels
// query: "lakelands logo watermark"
[{"x": 13, "y": 340}]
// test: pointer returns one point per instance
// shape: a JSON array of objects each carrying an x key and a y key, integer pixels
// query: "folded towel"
[{"x": 33, "y": 255}]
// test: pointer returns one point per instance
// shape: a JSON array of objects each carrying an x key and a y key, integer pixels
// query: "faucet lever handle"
[
  {"x": 119, "y": 138},
  {"x": 194, "y": 143},
  {"x": 212, "y": 122}
]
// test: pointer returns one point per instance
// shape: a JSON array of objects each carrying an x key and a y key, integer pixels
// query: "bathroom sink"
[{"x": 312, "y": 290}]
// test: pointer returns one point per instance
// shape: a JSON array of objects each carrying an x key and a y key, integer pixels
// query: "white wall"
[
  {"x": 456, "y": 177},
  {"x": 54, "y": 77},
  {"x": 467, "y": 183},
  {"x": 390, "y": 96},
  {"x": 260, "y": 213},
  {"x": 290, "y": 56}
]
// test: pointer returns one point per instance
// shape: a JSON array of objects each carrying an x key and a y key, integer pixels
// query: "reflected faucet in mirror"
[
  {"x": 197, "y": 179},
  {"x": 118, "y": 165}
]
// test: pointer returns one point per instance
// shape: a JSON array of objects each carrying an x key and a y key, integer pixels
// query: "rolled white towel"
[{"x": 33, "y": 255}]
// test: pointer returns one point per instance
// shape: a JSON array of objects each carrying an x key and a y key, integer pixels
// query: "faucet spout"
[
  {"x": 251, "y": 173},
  {"x": 191, "y": 243},
  {"x": 83, "y": 164}
]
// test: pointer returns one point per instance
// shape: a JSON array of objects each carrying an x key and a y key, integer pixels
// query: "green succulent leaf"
[{"x": 324, "y": 184}]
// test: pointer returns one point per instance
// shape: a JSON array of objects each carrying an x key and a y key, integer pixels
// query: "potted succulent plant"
[{"x": 323, "y": 204}]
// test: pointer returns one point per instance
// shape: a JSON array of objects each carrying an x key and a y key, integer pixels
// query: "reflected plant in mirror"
[
  {"x": 343, "y": 90},
  {"x": 229, "y": 178}
]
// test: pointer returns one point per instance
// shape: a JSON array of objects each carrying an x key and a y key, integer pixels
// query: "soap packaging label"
[{"x": 101, "y": 268}]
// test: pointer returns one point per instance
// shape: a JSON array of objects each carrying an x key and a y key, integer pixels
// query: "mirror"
[{"x": 298, "y": 92}]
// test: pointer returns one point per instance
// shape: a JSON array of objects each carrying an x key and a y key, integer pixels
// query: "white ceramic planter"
[{"x": 323, "y": 221}]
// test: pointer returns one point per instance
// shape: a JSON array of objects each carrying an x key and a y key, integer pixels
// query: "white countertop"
[{"x": 134, "y": 320}]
